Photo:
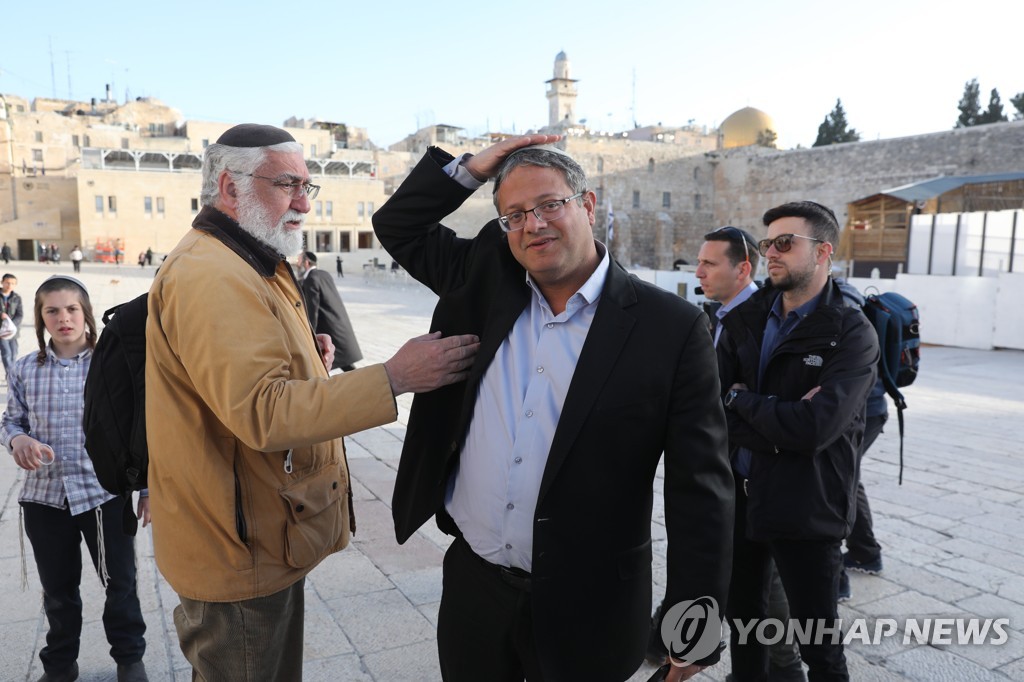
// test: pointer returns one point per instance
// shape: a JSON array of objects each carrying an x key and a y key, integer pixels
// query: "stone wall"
[
  {"x": 747, "y": 185},
  {"x": 736, "y": 186}
]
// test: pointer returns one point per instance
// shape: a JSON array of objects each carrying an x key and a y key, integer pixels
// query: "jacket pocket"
[{"x": 315, "y": 516}]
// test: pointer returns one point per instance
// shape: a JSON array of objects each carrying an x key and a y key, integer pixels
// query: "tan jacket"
[{"x": 249, "y": 487}]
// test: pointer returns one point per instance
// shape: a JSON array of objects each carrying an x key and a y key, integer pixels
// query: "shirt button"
[
  {"x": 540, "y": 370},
  {"x": 510, "y": 506},
  {"x": 529, "y": 413},
  {"x": 518, "y": 460},
  {"x": 550, "y": 325},
  {"x": 508, "y": 546}
]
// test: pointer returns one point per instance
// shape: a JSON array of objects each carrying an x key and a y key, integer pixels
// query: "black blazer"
[
  {"x": 646, "y": 382},
  {"x": 327, "y": 315}
]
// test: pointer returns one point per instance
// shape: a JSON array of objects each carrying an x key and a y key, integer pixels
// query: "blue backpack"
[{"x": 897, "y": 323}]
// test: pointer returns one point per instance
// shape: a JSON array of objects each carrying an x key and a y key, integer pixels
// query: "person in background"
[
  {"x": 798, "y": 363},
  {"x": 327, "y": 313},
  {"x": 10, "y": 309},
  {"x": 76, "y": 257}
]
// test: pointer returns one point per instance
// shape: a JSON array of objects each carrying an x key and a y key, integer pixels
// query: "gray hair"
[
  {"x": 542, "y": 158},
  {"x": 242, "y": 162}
]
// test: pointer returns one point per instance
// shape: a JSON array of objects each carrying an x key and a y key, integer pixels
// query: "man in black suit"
[
  {"x": 542, "y": 463},
  {"x": 327, "y": 313}
]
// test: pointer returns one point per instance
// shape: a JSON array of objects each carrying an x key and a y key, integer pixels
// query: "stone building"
[
  {"x": 101, "y": 173},
  {"x": 109, "y": 177},
  {"x": 669, "y": 186}
]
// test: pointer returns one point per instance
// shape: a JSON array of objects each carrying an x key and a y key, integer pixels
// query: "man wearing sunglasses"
[
  {"x": 542, "y": 464},
  {"x": 797, "y": 364}
]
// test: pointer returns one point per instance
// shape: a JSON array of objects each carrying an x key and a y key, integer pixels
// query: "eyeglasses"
[
  {"x": 548, "y": 211},
  {"x": 729, "y": 229},
  {"x": 294, "y": 189},
  {"x": 783, "y": 243}
]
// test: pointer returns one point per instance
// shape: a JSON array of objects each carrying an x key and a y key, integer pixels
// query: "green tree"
[
  {"x": 767, "y": 138},
  {"x": 835, "y": 129},
  {"x": 970, "y": 105},
  {"x": 994, "y": 113},
  {"x": 1018, "y": 103}
]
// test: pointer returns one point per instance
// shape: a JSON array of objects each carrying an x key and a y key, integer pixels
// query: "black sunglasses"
[{"x": 782, "y": 243}]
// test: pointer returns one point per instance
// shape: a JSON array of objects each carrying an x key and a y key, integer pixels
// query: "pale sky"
[{"x": 899, "y": 66}]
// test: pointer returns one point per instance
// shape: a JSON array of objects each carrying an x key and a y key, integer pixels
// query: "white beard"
[{"x": 254, "y": 218}]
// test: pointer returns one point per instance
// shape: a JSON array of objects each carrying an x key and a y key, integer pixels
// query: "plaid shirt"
[{"x": 46, "y": 402}]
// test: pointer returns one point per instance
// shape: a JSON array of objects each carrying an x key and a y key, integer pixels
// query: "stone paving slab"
[{"x": 952, "y": 533}]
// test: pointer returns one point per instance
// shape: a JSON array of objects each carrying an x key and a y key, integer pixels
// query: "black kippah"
[{"x": 254, "y": 135}]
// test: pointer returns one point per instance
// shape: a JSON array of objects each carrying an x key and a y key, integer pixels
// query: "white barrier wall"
[{"x": 1009, "y": 331}]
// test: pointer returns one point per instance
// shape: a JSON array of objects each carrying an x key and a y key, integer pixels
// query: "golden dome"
[{"x": 742, "y": 127}]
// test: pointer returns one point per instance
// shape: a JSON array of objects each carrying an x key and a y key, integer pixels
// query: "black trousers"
[
  {"x": 56, "y": 538},
  {"x": 809, "y": 571},
  {"x": 484, "y": 625},
  {"x": 862, "y": 544}
]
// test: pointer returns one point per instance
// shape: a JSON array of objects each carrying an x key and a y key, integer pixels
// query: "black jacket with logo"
[{"x": 803, "y": 473}]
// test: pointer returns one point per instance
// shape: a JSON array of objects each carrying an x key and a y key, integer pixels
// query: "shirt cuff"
[{"x": 457, "y": 171}]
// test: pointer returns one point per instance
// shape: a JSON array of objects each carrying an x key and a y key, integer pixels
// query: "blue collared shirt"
[
  {"x": 723, "y": 310},
  {"x": 492, "y": 496},
  {"x": 46, "y": 402},
  {"x": 776, "y": 329}
]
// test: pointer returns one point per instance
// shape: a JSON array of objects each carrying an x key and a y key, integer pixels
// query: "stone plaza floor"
[{"x": 953, "y": 533}]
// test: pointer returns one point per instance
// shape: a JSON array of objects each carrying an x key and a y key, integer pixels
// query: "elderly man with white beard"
[{"x": 249, "y": 487}]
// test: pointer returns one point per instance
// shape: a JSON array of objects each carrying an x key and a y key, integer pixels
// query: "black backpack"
[
  {"x": 114, "y": 419},
  {"x": 897, "y": 323}
]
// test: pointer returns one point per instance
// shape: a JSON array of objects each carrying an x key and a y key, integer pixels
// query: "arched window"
[{"x": 650, "y": 165}]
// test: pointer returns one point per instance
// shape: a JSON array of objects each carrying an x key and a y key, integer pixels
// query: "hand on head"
[
  {"x": 484, "y": 166},
  {"x": 429, "y": 361}
]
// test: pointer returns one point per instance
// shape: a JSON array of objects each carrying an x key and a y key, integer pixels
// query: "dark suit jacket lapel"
[
  {"x": 605, "y": 340},
  {"x": 509, "y": 306}
]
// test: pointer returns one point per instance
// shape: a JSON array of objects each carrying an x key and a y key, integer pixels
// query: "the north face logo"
[{"x": 813, "y": 361}]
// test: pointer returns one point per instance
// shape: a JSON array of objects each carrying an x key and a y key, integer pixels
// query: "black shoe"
[
  {"x": 657, "y": 654},
  {"x": 844, "y": 586},
  {"x": 66, "y": 675},
  {"x": 872, "y": 567},
  {"x": 132, "y": 672}
]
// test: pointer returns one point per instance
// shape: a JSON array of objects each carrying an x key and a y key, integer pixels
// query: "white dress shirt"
[{"x": 492, "y": 495}]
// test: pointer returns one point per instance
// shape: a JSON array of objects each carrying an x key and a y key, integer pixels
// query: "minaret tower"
[{"x": 561, "y": 94}]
